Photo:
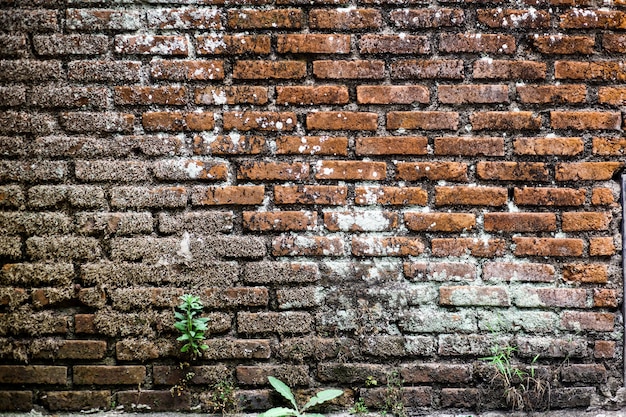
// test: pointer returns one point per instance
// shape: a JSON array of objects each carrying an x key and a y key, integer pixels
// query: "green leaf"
[
  {"x": 180, "y": 326},
  {"x": 313, "y": 415},
  {"x": 185, "y": 348},
  {"x": 322, "y": 397},
  {"x": 283, "y": 390},
  {"x": 183, "y": 338},
  {"x": 279, "y": 412}
]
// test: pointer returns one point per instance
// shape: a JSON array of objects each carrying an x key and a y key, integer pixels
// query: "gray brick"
[
  {"x": 427, "y": 320},
  {"x": 279, "y": 272},
  {"x": 82, "y": 146},
  {"x": 13, "y": 45},
  {"x": 143, "y": 197},
  {"x": 114, "y": 223},
  {"x": 19, "y": 122},
  {"x": 90, "y": 20},
  {"x": 291, "y": 322},
  {"x": 13, "y": 146},
  {"x": 86, "y": 196},
  {"x": 42, "y": 196},
  {"x": 190, "y": 169},
  {"x": 104, "y": 71},
  {"x": 37, "y": 274},
  {"x": 11, "y": 196},
  {"x": 142, "y": 298},
  {"x": 29, "y": 20},
  {"x": 97, "y": 122},
  {"x": 40, "y": 171},
  {"x": 12, "y": 96},
  {"x": 13, "y": 223},
  {"x": 201, "y": 222},
  {"x": 299, "y": 298},
  {"x": 69, "y": 96},
  {"x": 102, "y": 170},
  {"x": 71, "y": 248},
  {"x": 33, "y": 323},
  {"x": 30, "y": 70},
  {"x": 11, "y": 247},
  {"x": 56, "y": 44}
]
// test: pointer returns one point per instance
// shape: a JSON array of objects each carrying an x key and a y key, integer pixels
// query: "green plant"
[
  {"x": 223, "y": 399},
  {"x": 394, "y": 401},
  {"x": 193, "y": 328},
  {"x": 359, "y": 407},
  {"x": 285, "y": 391}
]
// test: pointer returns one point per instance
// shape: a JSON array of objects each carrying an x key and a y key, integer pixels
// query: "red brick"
[
  {"x": 236, "y": 94},
  {"x": 354, "y": 69},
  {"x": 426, "y": 120},
  {"x": 551, "y": 297},
  {"x": 187, "y": 70},
  {"x": 257, "y": 375},
  {"x": 84, "y": 324},
  {"x": 218, "y": 44},
  {"x": 514, "y": 18},
  {"x": 363, "y": 221},
  {"x": 584, "y": 221},
  {"x": 77, "y": 400},
  {"x": 89, "y": 20},
  {"x": 525, "y": 272},
  {"x": 312, "y": 145},
  {"x": 223, "y": 195},
  {"x": 33, "y": 374},
  {"x": 313, "y": 44},
  {"x": 137, "y": 95},
  {"x": 479, "y": 94},
  {"x": 512, "y": 171},
  {"x": 520, "y": 222},
  {"x": 484, "y": 248},
  {"x": 415, "y": 171},
  {"x": 449, "y": 69},
  {"x": 258, "y": 120},
  {"x": 562, "y": 44},
  {"x": 602, "y": 196},
  {"x": 276, "y": 70},
  {"x": 587, "y": 273},
  {"x": 345, "y": 19},
  {"x": 386, "y": 246},
  {"x": 264, "y": 171},
  {"x": 459, "y": 397},
  {"x": 548, "y": 146},
  {"x": 487, "y": 68},
  {"x": 392, "y": 145},
  {"x": 601, "y": 246},
  {"x": 530, "y": 196},
  {"x": 530, "y": 246},
  {"x": 393, "y": 196},
  {"x": 604, "y": 349},
  {"x": 151, "y": 45},
  {"x": 310, "y": 194},
  {"x": 394, "y": 44},
  {"x": 589, "y": 19},
  {"x": 476, "y": 43},
  {"x": 177, "y": 121},
  {"x": 473, "y": 296},
  {"x": 228, "y": 144},
  {"x": 439, "y": 222},
  {"x": 280, "y": 221},
  {"x": 392, "y": 94},
  {"x": 292, "y": 245},
  {"x": 187, "y": 18},
  {"x": 264, "y": 19},
  {"x": 351, "y": 170},
  {"x": 470, "y": 196},
  {"x": 552, "y": 94},
  {"x": 585, "y": 120},
  {"x": 586, "y": 171},
  {"x": 469, "y": 146},
  {"x": 615, "y": 96},
  {"x": 308, "y": 95},
  {"x": 582, "y": 321},
  {"x": 109, "y": 375},
  {"x": 338, "y": 120},
  {"x": 589, "y": 71},
  {"x": 505, "y": 120},
  {"x": 427, "y": 18},
  {"x": 77, "y": 349}
]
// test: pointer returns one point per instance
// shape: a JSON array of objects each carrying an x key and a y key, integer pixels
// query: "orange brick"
[
  {"x": 614, "y": 42},
  {"x": 583, "y": 320},
  {"x": 226, "y": 195},
  {"x": 351, "y": 170},
  {"x": 427, "y": 18},
  {"x": 394, "y": 44},
  {"x": 604, "y": 349},
  {"x": 270, "y": 171},
  {"x": 470, "y": 196},
  {"x": 426, "y": 120},
  {"x": 603, "y": 297},
  {"x": 477, "y": 93},
  {"x": 345, "y": 19},
  {"x": 505, "y": 120},
  {"x": 392, "y": 94},
  {"x": 530, "y": 246},
  {"x": 469, "y": 146},
  {"x": 258, "y": 120},
  {"x": 587, "y": 120},
  {"x": 264, "y": 19},
  {"x": 414, "y": 171},
  {"x": 355, "y": 69},
  {"x": 275, "y": 70},
  {"x": 582, "y": 221},
  {"x": 520, "y": 222},
  {"x": 564, "y": 45},
  {"x": 602, "y": 197},
  {"x": 589, "y": 71},
  {"x": 601, "y": 246},
  {"x": 279, "y": 221},
  {"x": 338, "y": 120},
  {"x": 612, "y": 95},
  {"x": 306, "y": 95},
  {"x": 588, "y": 273},
  {"x": 609, "y": 146},
  {"x": 514, "y": 18},
  {"x": 313, "y": 44},
  {"x": 187, "y": 70},
  {"x": 177, "y": 121},
  {"x": 586, "y": 171},
  {"x": 393, "y": 196},
  {"x": 476, "y": 43},
  {"x": 386, "y": 246},
  {"x": 482, "y": 248},
  {"x": 312, "y": 145},
  {"x": 392, "y": 145},
  {"x": 530, "y": 196},
  {"x": 364, "y": 221},
  {"x": 450, "y": 69},
  {"x": 137, "y": 95},
  {"x": 310, "y": 194},
  {"x": 488, "y": 68},
  {"x": 548, "y": 146},
  {"x": 237, "y": 94},
  {"x": 291, "y": 245},
  {"x": 512, "y": 171},
  {"x": 218, "y": 44},
  {"x": 439, "y": 222},
  {"x": 589, "y": 19},
  {"x": 151, "y": 44},
  {"x": 552, "y": 94}
]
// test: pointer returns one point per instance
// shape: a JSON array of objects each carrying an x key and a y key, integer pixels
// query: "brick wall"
[{"x": 351, "y": 187}]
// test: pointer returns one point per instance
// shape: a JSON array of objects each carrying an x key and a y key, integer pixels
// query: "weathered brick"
[
  {"x": 310, "y": 194},
  {"x": 351, "y": 170},
  {"x": 337, "y": 120},
  {"x": 548, "y": 146},
  {"x": 562, "y": 44},
  {"x": 137, "y": 95},
  {"x": 396, "y": 94},
  {"x": 583, "y": 320},
  {"x": 312, "y": 145},
  {"x": 469, "y": 146},
  {"x": 487, "y": 68},
  {"x": 259, "y": 120},
  {"x": 13, "y": 45},
  {"x": 476, "y": 42},
  {"x": 16, "y": 400},
  {"x": 263, "y": 171},
  {"x": 547, "y": 196},
  {"x": 264, "y": 19},
  {"x": 439, "y": 222},
  {"x": 279, "y": 221},
  {"x": 293, "y": 322},
  {"x": 556, "y": 94},
  {"x": 587, "y": 120},
  {"x": 203, "y": 374},
  {"x": 69, "y": 97},
  {"x": 24, "y": 20},
  {"x": 602, "y": 196},
  {"x": 394, "y": 44},
  {"x": 512, "y": 171},
  {"x": 186, "y": 70},
  {"x": 525, "y": 272},
  {"x": 304, "y": 297},
  {"x": 520, "y": 222},
  {"x": 279, "y": 272},
  {"x": 604, "y": 298},
  {"x": 363, "y": 221},
  {"x": 313, "y": 44},
  {"x": 97, "y": 122},
  {"x": 220, "y": 44},
  {"x": 588, "y": 273},
  {"x": 201, "y": 222},
  {"x": 614, "y": 42},
  {"x": 11, "y": 96},
  {"x": 572, "y": 347},
  {"x": 472, "y": 196},
  {"x": 351, "y": 19},
  {"x": 459, "y": 397},
  {"x": 581, "y": 221},
  {"x": 589, "y": 71},
  {"x": 42, "y": 223},
  {"x": 105, "y": 170},
  {"x": 483, "y": 248},
  {"x": 301, "y": 245},
  {"x": 11, "y": 196},
  {"x": 154, "y": 401},
  {"x": 309, "y": 95},
  {"x": 257, "y": 375},
  {"x": 588, "y": 19},
  {"x": 426, "y": 120},
  {"x": 137, "y": 197},
  {"x": 228, "y": 95},
  {"x": 530, "y": 246},
  {"x": 190, "y": 169},
  {"x": 392, "y": 196},
  {"x": 43, "y": 171},
  {"x": 430, "y": 320},
  {"x": 33, "y": 374},
  {"x": 277, "y": 70},
  {"x": 601, "y": 246},
  {"x": 69, "y": 248},
  {"x": 88, "y": 20},
  {"x": 496, "y": 120},
  {"x": 351, "y": 372},
  {"x": 53, "y": 45},
  {"x": 427, "y": 18},
  {"x": 187, "y": 18},
  {"x": 436, "y": 372},
  {"x": 354, "y": 69},
  {"x": 77, "y": 400},
  {"x": 104, "y": 71},
  {"x": 233, "y": 144},
  {"x": 534, "y": 297},
  {"x": 439, "y": 271},
  {"x": 451, "y": 69},
  {"x": 392, "y": 145},
  {"x": 481, "y": 94},
  {"x": 415, "y": 171},
  {"x": 473, "y": 296},
  {"x": 586, "y": 171},
  {"x": 604, "y": 349},
  {"x": 386, "y": 246},
  {"x": 514, "y": 18},
  {"x": 19, "y": 122}
]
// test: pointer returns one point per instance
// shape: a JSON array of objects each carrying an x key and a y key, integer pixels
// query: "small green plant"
[
  {"x": 285, "y": 391},
  {"x": 223, "y": 398},
  {"x": 181, "y": 386},
  {"x": 359, "y": 407},
  {"x": 193, "y": 328},
  {"x": 394, "y": 402}
]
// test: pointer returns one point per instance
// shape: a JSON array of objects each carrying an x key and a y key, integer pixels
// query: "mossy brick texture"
[{"x": 351, "y": 187}]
